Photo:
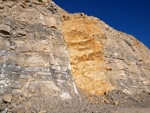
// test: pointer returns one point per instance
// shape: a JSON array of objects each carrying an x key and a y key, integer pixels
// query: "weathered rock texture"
[
  {"x": 103, "y": 59},
  {"x": 128, "y": 61},
  {"x": 33, "y": 55},
  {"x": 84, "y": 39},
  {"x": 50, "y": 61}
]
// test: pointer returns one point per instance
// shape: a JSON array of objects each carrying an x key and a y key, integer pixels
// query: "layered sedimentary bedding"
[
  {"x": 33, "y": 55},
  {"x": 53, "y": 61}
]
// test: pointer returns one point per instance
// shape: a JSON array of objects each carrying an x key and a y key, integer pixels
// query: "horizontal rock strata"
[
  {"x": 56, "y": 62},
  {"x": 33, "y": 54}
]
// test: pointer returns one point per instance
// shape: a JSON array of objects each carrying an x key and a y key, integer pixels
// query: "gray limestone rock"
[{"x": 3, "y": 52}]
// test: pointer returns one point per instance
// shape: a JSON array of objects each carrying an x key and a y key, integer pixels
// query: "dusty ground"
[
  {"x": 133, "y": 110},
  {"x": 118, "y": 102},
  {"x": 112, "y": 102}
]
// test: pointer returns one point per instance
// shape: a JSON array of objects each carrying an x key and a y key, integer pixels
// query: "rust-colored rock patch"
[{"x": 83, "y": 37}]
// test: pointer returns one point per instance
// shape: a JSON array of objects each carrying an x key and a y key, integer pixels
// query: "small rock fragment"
[
  {"x": 3, "y": 52},
  {"x": 5, "y": 111},
  {"x": 7, "y": 98},
  {"x": 117, "y": 103},
  {"x": 9, "y": 106},
  {"x": 14, "y": 105},
  {"x": 23, "y": 49},
  {"x": 20, "y": 33},
  {"x": 4, "y": 29},
  {"x": 14, "y": 110},
  {"x": 1, "y": 6},
  {"x": 2, "y": 107},
  {"x": 12, "y": 47}
]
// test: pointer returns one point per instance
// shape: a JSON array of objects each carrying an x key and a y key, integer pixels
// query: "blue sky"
[{"x": 129, "y": 16}]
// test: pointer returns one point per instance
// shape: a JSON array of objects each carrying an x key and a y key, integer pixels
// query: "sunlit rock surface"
[
  {"x": 33, "y": 57},
  {"x": 53, "y": 61},
  {"x": 128, "y": 61},
  {"x": 103, "y": 59},
  {"x": 85, "y": 43}
]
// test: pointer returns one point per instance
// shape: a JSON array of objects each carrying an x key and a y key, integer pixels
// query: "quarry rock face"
[
  {"x": 104, "y": 59},
  {"x": 83, "y": 37},
  {"x": 53, "y": 61},
  {"x": 128, "y": 61},
  {"x": 34, "y": 59}
]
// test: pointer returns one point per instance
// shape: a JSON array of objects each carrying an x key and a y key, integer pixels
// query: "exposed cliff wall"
[
  {"x": 50, "y": 58},
  {"x": 128, "y": 59},
  {"x": 34, "y": 59},
  {"x": 103, "y": 59}
]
